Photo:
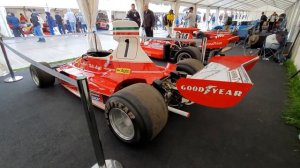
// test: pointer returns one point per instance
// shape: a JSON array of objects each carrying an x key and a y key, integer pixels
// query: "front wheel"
[
  {"x": 136, "y": 114},
  {"x": 41, "y": 78}
]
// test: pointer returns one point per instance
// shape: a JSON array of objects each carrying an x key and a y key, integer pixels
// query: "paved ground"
[
  {"x": 47, "y": 128},
  {"x": 56, "y": 48}
]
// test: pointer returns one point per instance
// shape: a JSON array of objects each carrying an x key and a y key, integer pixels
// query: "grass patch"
[{"x": 291, "y": 115}]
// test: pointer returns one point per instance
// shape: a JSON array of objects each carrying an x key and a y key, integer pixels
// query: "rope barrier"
[
  {"x": 106, "y": 34},
  {"x": 72, "y": 81},
  {"x": 40, "y": 66}
]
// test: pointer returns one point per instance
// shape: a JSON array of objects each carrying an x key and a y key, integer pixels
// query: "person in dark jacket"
[
  {"x": 37, "y": 31},
  {"x": 263, "y": 19},
  {"x": 149, "y": 21},
  {"x": 14, "y": 24},
  {"x": 59, "y": 22},
  {"x": 50, "y": 22},
  {"x": 134, "y": 15}
]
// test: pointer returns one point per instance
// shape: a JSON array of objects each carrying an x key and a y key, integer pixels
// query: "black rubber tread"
[
  {"x": 146, "y": 108},
  {"x": 45, "y": 79},
  {"x": 190, "y": 66},
  {"x": 193, "y": 51}
]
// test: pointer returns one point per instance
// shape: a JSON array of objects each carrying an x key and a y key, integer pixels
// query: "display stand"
[
  {"x": 92, "y": 125},
  {"x": 12, "y": 77}
]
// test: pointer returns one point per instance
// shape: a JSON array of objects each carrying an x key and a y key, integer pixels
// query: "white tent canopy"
[
  {"x": 89, "y": 9},
  {"x": 247, "y": 5}
]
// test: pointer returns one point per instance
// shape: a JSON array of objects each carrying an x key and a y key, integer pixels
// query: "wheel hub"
[
  {"x": 121, "y": 123},
  {"x": 182, "y": 56},
  {"x": 34, "y": 77}
]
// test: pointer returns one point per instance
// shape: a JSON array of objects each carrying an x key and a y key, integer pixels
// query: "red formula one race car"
[
  {"x": 137, "y": 95},
  {"x": 102, "y": 22},
  {"x": 178, "y": 50}
]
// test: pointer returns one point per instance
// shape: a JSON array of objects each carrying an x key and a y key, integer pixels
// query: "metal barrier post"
[
  {"x": 13, "y": 78},
  {"x": 92, "y": 124}
]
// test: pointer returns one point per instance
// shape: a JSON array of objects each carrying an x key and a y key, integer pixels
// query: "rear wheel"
[
  {"x": 189, "y": 66},
  {"x": 188, "y": 53},
  {"x": 41, "y": 78},
  {"x": 136, "y": 114}
]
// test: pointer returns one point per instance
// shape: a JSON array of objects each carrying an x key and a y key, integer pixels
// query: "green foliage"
[{"x": 291, "y": 115}]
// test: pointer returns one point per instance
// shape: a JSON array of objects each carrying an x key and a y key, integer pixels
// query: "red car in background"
[
  {"x": 175, "y": 51},
  {"x": 102, "y": 22}
]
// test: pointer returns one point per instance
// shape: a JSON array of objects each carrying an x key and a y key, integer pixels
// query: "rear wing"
[{"x": 220, "y": 84}]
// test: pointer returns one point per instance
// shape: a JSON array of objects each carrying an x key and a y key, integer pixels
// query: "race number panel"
[{"x": 127, "y": 48}]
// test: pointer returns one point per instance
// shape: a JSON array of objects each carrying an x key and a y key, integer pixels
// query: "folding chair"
[
  {"x": 244, "y": 34},
  {"x": 268, "y": 52},
  {"x": 274, "y": 50}
]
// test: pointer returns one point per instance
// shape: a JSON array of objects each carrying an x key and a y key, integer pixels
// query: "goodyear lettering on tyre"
[{"x": 120, "y": 106}]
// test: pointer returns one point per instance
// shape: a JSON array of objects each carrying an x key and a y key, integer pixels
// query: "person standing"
[
  {"x": 272, "y": 21},
  {"x": 50, "y": 23},
  {"x": 191, "y": 18},
  {"x": 14, "y": 24},
  {"x": 170, "y": 20},
  {"x": 213, "y": 19},
  {"x": 59, "y": 22},
  {"x": 37, "y": 27},
  {"x": 263, "y": 19},
  {"x": 72, "y": 20},
  {"x": 226, "y": 22},
  {"x": 134, "y": 15},
  {"x": 82, "y": 22},
  {"x": 23, "y": 19},
  {"x": 149, "y": 21},
  {"x": 283, "y": 22}
]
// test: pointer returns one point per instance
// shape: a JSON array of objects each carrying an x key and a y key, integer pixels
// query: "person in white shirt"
[
  {"x": 191, "y": 18},
  {"x": 272, "y": 20},
  {"x": 72, "y": 20}
]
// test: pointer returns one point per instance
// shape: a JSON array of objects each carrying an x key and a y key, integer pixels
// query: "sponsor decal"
[
  {"x": 218, "y": 94},
  {"x": 123, "y": 70},
  {"x": 96, "y": 67},
  {"x": 96, "y": 97},
  {"x": 210, "y": 89},
  {"x": 214, "y": 43}
]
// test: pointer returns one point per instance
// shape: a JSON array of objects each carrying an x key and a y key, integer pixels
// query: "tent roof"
[{"x": 247, "y": 5}]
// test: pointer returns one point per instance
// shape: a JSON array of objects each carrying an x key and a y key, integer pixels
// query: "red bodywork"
[
  {"x": 105, "y": 79},
  {"x": 215, "y": 40}
]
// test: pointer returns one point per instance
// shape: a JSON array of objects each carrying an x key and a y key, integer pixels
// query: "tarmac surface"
[{"x": 47, "y": 128}]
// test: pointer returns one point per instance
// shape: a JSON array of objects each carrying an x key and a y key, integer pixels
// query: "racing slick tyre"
[
  {"x": 189, "y": 66},
  {"x": 188, "y": 52},
  {"x": 41, "y": 78},
  {"x": 136, "y": 114}
]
